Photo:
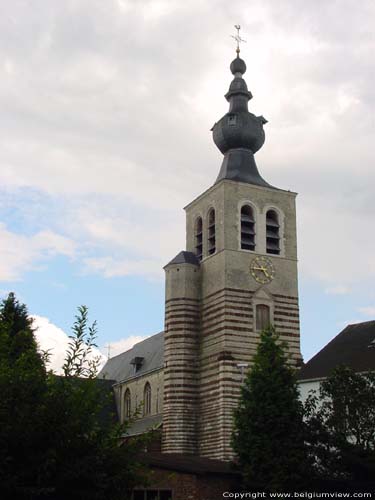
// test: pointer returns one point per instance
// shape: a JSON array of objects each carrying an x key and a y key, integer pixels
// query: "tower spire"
[{"x": 239, "y": 134}]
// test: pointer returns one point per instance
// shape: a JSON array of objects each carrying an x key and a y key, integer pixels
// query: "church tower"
[{"x": 237, "y": 275}]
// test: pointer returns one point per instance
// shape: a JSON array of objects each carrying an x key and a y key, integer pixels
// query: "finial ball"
[{"x": 238, "y": 66}]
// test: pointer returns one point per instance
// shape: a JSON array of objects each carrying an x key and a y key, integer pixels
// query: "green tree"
[
  {"x": 340, "y": 420},
  {"x": 58, "y": 438},
  {"x": 268, "y": 435},
  {"x": 23, "y": 395},
  {"x": 93, "y": 466}
]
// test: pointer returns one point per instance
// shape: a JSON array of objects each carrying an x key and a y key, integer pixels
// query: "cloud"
[
  {"x": 123, "y": 345},
  {"x": 335, "y": 244},
  {"x": 53, "y": 339},
  {"x": 109, "y": 267},
  {"x": 20, "y": 253},
  {"x": 106, "y": 113},
  {"x": 367, "y": 311},
  {"x": 337, "y": 290}
]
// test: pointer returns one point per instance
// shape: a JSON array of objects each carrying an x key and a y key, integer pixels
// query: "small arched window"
[
  {"x": 198, "y": 237},
  {"x": 247, "y": 228},
  {"x": 147, "y": 399},
  {"x": 272, "y": 233},
  {"x": 211, "y": 232},
  {"x": 263, "y": 319},
  {"x": 127, "y": 404}
]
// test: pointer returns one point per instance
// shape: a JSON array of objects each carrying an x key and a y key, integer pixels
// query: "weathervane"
[{"x": 238, "y": 38}]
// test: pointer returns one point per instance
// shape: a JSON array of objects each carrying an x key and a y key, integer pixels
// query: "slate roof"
[
  {"x": 185, "y": 258},
  {"x": 353, "y": 347},
  {"x": 120, "y": 368}
]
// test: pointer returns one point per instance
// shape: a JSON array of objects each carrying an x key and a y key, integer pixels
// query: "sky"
[{"x": 106, "y": 111}]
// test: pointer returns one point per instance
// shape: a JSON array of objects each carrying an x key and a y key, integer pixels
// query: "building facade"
[
  {"x": 237, "y": 275},
  {"x": 353, "y": 347}
]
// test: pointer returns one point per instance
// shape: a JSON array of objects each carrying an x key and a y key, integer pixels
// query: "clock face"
[{"x": 262, "y": 270}]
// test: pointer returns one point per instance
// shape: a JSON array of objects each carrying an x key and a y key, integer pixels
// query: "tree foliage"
[
  {"x": 24, "y": 393},
  {"x": 79, "y": 361},
  {"x": 269, "y": 432},
  {"x": 341, "y": 423},
  {"x": 57, "y": 438}
]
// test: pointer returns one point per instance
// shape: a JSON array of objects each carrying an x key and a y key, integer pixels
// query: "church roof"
[
  {"x": 193, "y": 464},
  {"x": 143, "y": 357},
  {"x": 353, "y": 347}
]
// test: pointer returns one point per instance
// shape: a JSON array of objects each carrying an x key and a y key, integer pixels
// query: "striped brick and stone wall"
[
  {"x": 181, "y": 355},
  {"x": 226, "y": 340},
  {"x": 287, "y": 324}
]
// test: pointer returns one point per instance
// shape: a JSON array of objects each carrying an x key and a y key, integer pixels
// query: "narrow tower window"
[
  {"x": 147, "y": 399},
  {"x": 199, "y": 238},
  {"x": 127, "y": 404},
  {"x": 262, "y": 316},
  {"x": 247, "y": 228},
  {"x": 211, "y": 232},
  {"x": 273, "y": 232}
]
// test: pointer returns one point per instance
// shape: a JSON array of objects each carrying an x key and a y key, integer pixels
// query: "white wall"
[{"x": 306, "y": 386}]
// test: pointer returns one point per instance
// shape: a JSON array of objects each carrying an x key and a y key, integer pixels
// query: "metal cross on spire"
[
  {"x": 108, "y": 346},
  {"x": 238, "y": 38}
]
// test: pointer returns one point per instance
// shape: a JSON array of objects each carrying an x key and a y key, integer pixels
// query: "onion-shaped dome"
[{"x": 238, "y": 66}]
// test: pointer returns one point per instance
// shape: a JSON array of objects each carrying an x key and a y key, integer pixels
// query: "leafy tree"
[
  {"x": 57, "y": 438},
  {"x": 268, "y": 433},
  {"x": 340, "y": 420},
  {"x": 79, "y": 361},
  {"x": 93, "y": 466},
  {"x": 23, "y": 393}
]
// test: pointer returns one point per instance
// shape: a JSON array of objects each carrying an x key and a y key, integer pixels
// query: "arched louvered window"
[
  {"x": 247, "y": 228},
  {"x": 211, "y": 232},
  {"x": 199, "y": 237},
  {"x": 147, "y": 399},
  {"x": 272, "y": 233},
  {"x": 262, "y": 316},
  {"x": 127, "y": 404}
]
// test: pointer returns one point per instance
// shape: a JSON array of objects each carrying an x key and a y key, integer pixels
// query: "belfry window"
[
  {"x": 262, "y": 316},
  {"x": 272, "y": 233},
  {"x": 211, "y": 232},
  {"x": 247, "y": 228},
  {"x": 199, "y": 238},
  {"x": 127, "y": 404},
  {"x": 147, "y": 399}
]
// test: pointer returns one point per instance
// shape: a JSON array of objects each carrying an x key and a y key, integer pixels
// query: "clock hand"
[{"x": 263, "y": 269}]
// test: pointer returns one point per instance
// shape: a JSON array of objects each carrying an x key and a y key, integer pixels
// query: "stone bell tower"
[{"x": 237, "y": 275}]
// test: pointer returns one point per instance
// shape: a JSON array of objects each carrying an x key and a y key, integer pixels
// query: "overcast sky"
[{"x": 106, "y": 110}]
